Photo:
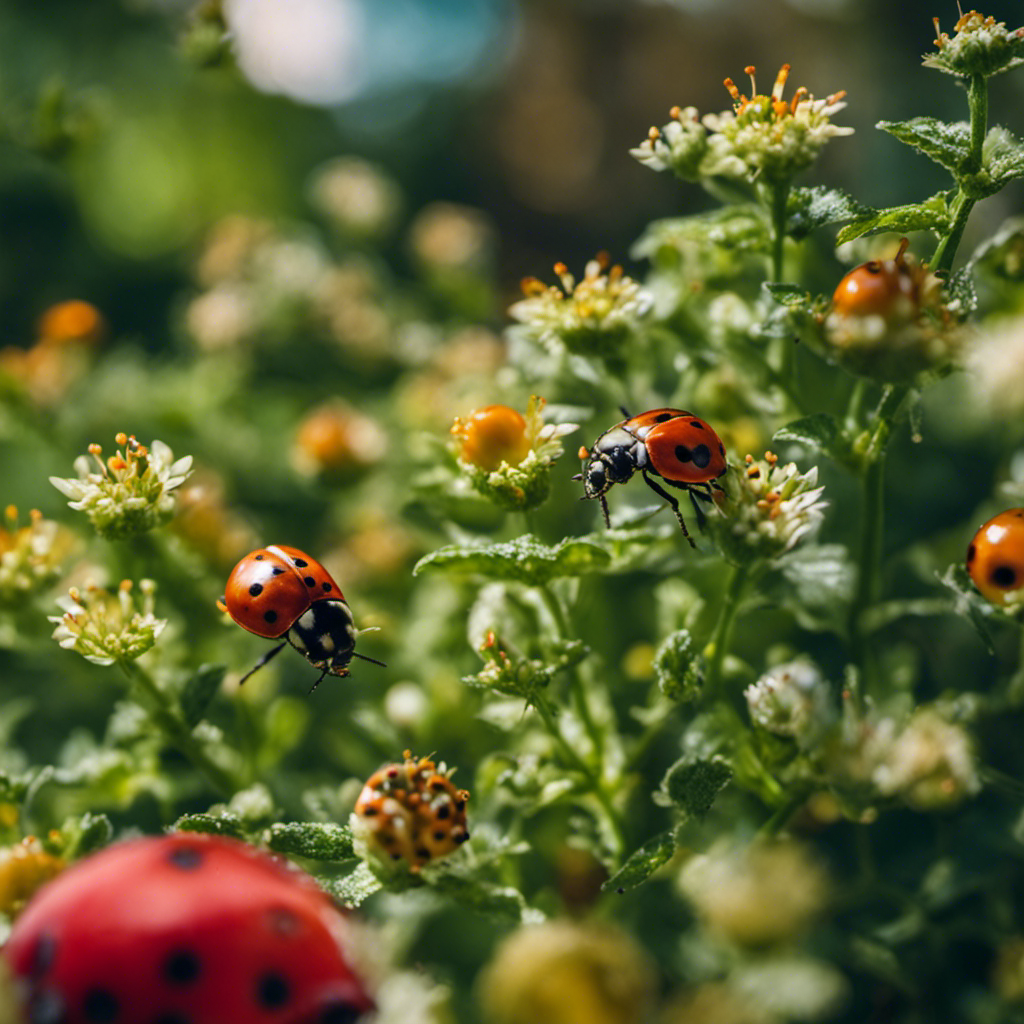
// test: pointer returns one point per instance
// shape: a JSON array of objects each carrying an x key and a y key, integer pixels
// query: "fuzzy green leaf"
[
  {"x": 930, "y": 215},
  {"x": 960, "y": 291},
  {"x": 819, "y": 430},
  {"x": 524, "y": 560},
  {"x": 642, "y": 863},
  {"x": 497, "y": 901},
  {"x": 211, "y": 824},
  {"x": 87, "y": 834},
  {"x": 789, "y": 295},
  {"x": 678, "y": 667},
  {"x": 353, "y": 888},
  {"x": 946, "y": 144},
  {"x": 736, "y": 228},
  {"x": 1002, "y": 160},
  {"x": 317, "y": 840},
  {"x": 810, "y": 208},
  {"x": 969, "y": 602},
  {"x": 692, "y": 785},
  {"x": 199, "y": 691}
]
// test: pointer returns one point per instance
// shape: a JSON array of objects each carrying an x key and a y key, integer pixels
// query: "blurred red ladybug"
[
  {"x": 995, "y": 557},
  {"x": 279, "y": 591},
  {"x": 672, "y": 444},
  {"x": 892, "y": 289},
  {"x": 184, "y": 928}
]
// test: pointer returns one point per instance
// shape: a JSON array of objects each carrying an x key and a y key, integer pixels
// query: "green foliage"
[{"x": 524, "y": 560}]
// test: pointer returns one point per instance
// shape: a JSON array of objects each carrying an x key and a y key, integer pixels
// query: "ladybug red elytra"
[
  {"x": 672, "y": 444},
  {"x": 892, "y": 289},
  {"x": 995, "y": 557},
  {"x": 278, "y": 591},
  {"x": 185, "y": 928}
]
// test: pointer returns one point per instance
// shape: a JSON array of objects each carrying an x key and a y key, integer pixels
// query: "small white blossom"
[
  {"x": 995, "y": 368},
  {"x": 357, "y": 196},
  {"x": 981, "y": 46},
  {"x": 679, "y": 146},
  {"x": 30, "y": 556},
  {"x": 104, "y": 627},
  {"x": 130, "y": 493},
  {"x": 594, "y": 317},
  {"x": 790, "y": 699},
  {"x": 767, "y": 509}
]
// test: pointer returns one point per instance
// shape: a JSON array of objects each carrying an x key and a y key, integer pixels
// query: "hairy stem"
[{"x": 718, "y": 645}]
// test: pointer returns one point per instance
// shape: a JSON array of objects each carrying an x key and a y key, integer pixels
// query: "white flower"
[
  {"x": 105, "y": 627},
  {"x": 789, "y": 699},
  {"x": 30, "y": 556},
  {"x": 131, "y": 492},
  {"x": 995, "y": 367}
]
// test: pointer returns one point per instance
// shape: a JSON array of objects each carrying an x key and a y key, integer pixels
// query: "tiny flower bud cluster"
[
  {"x": 763, "y": 136},
  {"x": 104, "y": 627},
  {"x": 411, "y": 811},
  {"x": 24, "y": 867},
  {"x": 981, "y": 46},
  {"x": 790, "y": 699},
  {"x": 30, "y": 556},
  {"x": 508, "y": 456},
  {"x": 593, "y": 317},
  {"x": 756, "y": 895},
  {"x": 360, "y": 200},
  {"x": 767, "y": 508},
  {"x": 131, "y": 491}
]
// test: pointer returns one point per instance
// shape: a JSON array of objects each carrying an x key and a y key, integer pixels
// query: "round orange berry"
[{"x": 491, "y": 436}]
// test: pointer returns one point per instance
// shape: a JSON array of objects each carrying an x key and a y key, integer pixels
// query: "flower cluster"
[
  {"x": 412, "y": 812},
  {"x": 595, "y": 316},
  {"x": 508, "y": 456},
  {"x": 30, "y": 556},
  {"x": 790, "y": 700},
  {"x": 763, "y": 136},
  {"x": 981, "y": 46},
  {"x": 106, "y": 628},
  {"x": 131, "y": 491},
  {"x": 24, "y": 867},
  {"x": 767, "y": 508},
  {"x": 359, "y": 199}
]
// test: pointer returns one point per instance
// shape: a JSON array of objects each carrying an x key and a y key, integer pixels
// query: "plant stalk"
[{"x": 718, "y": 645}]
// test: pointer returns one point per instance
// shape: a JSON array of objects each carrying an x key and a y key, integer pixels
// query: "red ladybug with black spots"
[
  {"x": 673, "y": 445},
  {"x": 279, "y": 591},
  {"x": 185, "y": 929}
]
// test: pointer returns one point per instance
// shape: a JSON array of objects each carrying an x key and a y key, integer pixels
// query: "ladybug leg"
[
  {"x": 604, "y": 509},
  {"x": 266, "y": 657},
  {"x": 661, "y": 492},
  {"x": 319, "y": 681},
  {"x": 356, "y": 654}
]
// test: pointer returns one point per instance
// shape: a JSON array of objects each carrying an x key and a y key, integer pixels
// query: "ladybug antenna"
[
  {"x": 367, "y": 629},
  {"x": 625, "y": 412},
  {"x": 319, "y": 681},
  {"x": 356, "y": 654},
  {"x": 266, "y": 657}
]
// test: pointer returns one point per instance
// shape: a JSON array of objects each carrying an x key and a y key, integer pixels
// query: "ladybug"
[
  {"x": 672, "y": 444},
  {"x": 412, "y": 811},
  {"x": 995, "y": 557},
  {"x": 279, "y": 591},
  {"x": 891, "y": 289},
  {"x": 185, "y": 928}
]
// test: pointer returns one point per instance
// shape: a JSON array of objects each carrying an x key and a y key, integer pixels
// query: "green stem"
[
  {"x": 718, "y": 645},
  {"x": 977, "y": 102},
  {"x": 779, "y": 200},
  {"x": 611, "y": 814},
  {"x": 167, "y": 716},
  {"x": 777, "y": 822}
]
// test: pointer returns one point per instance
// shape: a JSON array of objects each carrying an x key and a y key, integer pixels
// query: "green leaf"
[
  {"x": 1002, "y": 255},
  {"x": 960, "y": 291},
  {"x": 735, "y": 228},
  {"x": 211, "y": 824},
  {"x": 678, "y": 667},
  {"x": 693, "y": 784},
  {"x": 789, "y": 295},
  {"x": 931, "y": 214},
  {"x": 199, "y": 691},
  {"x": 352, "y": 889},
  {"x": 969, "y": 602},
  {"x": 497, "y": 901},
  {"x": 814, "y": 207},
  {"x": 816, "y": 582},
  {"x": 819, "y": 430},
  {"x": 1002, "y": 160},
  {"x": 642, "y": 863},
  {"x": 85, "y": 835},
  {"x": 314, "y": 839},
  {"x": 524, "y": 560},
  {"x": 947, "y": 144}
]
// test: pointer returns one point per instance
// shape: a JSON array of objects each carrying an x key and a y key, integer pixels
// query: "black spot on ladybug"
[
  {"x": 270, "y": 616},
  {"x": 46, "y": 1007},
  {"x": 340, "y": 1013},
  {"x": 100, "y": 1006},
  {"x": 309, "y": 581},
  {"x": 443, "y": 812},
  {"x": 300, "y": 562},
  {"x": 325, "y": 587},
  {"x": 182, "y": 967},
  {"x": 662, "y": 417},
  {"x": 43, "y": 955},
  {"x": 370, "y": 812},
  {"x": 423, "y": 853},
  {"x": 439, "y": 836},
  {"x": 683, "y": 454},
  {"x": 396, "y": 856},
  {"x": 259, "y": 558},
  {"x": 273, "y": 990},
  {"x": 701, "y": 456},
  {"x": 460, "y": 837},
  {"x": 1004, "y": 576},
  {"x": 188, "y": 858},
  {"x": 277, "y": 570},
  {"x": 697, "y": 424},
  {"x": 971, "y": 552},
  {"x": 460, "y": 805},
  {"x": 256, "y": 589},
  {"x": 721, "y": 449}
]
